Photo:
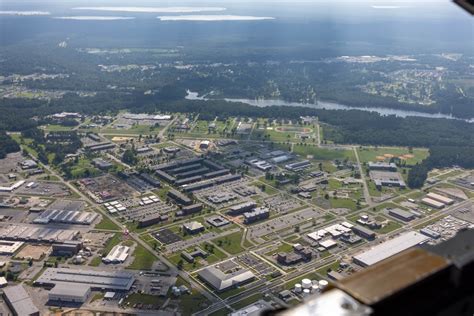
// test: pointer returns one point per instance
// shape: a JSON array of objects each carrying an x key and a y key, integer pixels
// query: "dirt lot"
[{"x": 34, "y": 252}]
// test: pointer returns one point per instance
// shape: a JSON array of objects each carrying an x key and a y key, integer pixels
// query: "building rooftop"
[
  {"x": 222, "y": 281},
  {"x": 20, "y": 300},
  {"x": 68, "y": 290},
  {"x": 117, "y": 280},
  {"x": 390, "y": 248}
]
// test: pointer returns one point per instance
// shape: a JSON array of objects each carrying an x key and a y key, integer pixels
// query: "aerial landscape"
[{"x": 225, "y": 157}]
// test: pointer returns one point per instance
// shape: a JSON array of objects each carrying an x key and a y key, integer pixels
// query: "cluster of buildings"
[
  {"x": 436, "y": 200},
  {"x": 114, "y": 207},
  {"x": 12, "y": 187},
  {"x": 75, "y": 285},
  {"x": 250, "y": 212},
  {"x": 385, "y": 174},
  {"x": 299, "y": 254}
]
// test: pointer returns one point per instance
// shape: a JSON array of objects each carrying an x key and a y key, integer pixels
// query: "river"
[{"x": 330, "y": 106}]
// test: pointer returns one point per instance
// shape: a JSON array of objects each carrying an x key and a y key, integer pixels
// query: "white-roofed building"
[{"x": 389, "y": 248}]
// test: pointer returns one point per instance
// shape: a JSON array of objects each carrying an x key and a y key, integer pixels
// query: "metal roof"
[{"x": 390, "y": 248}]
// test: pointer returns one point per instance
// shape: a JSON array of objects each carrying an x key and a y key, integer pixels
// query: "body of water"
[{"x": 330, "y": 106}]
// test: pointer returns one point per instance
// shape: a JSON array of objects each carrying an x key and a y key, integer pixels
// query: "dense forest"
[
  {"x": 7, "y": 145},
  {"x": 441, "y": 156}
]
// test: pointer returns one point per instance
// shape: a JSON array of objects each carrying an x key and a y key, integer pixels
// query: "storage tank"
[
  {"x": 306, "y": 283},
  {"x": 323, "y": 284},
  {"x": 314, "y": 288},
  {"x": 306, "y": 292},
  {"x": 298, "y": 288}
]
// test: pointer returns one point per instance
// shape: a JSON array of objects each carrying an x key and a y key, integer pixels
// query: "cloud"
[
  {"x": 154, "y": 9},
  {"x": 386, "y": 7},
  {"x": 24, "y": 13},
  {"x": 213, "y": 18},
  {"x": 94, "y": 18}
]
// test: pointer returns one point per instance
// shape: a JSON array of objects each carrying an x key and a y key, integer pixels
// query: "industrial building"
[
  {"x": 258, "y": 214},
  {"x": 100, "y": 146},
  {"x": 387, "y": 178},
  {"x": 389, "y": 248},
  {"x": 118, "y": 254},
  {"x": 432, "y": 203},
  {"x": 363, "y": 232},
  {"x": 440, "y": 198},
  {"x": 19, "y": 301},
  {"x": 9, "y": 247},
  {"x": 221, "y": 281},
  {"x": 401, "y": 214},
  {"x": 12, "y": 187},
  {"x": 298, "y": 166},
  {"x": 383, "y": 166},
  {"x": 37, "y": 234},
  {"x": 64, "y": 292},
  {"x": 102, "y": 164},
  {"x": 96, "y": 280},
  {"x": 66, "y": 217},
  {"x": 68, "y": 248}
]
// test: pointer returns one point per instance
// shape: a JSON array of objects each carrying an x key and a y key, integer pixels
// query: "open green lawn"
[
  {"x": 107, "y": 224},
  {"x": 230, "y": 243},
  {"x": 143, "y": 259},
  {"x": 247, "y": 301},
  {"x": 343, "y": 203},
  {"x": 141, "y": 298},
  {"x": 190, "y": 304},
  {"x": 324, "y": 154},
  {"x": 114, "y": 240},
  {"x": 96, "y": 261},
  {"x": 56, "y": 128},
  {"x": 367, "y": 154}
]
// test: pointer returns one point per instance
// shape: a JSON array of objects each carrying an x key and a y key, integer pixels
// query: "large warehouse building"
[
  {"x": 389, "y": 248},
  {"x": 19, "y": 301},
  {"x": 64, "y": 292},
  {"x": 100, "y": 280}
]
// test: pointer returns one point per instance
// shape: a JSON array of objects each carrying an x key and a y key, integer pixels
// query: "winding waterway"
[{"x": 330, "y": 106}]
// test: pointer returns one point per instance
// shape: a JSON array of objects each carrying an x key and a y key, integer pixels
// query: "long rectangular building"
[
  {"x": 100, "y": 280},
  {"x": 440, "y": 198},
  {"x": 389, "y": 248}
]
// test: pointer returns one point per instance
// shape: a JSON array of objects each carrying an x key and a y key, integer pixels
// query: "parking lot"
[
  {"x": 166, "y": 236},
  {"x": 44, "y": 188},
  {"x": 283, "y": 222}
]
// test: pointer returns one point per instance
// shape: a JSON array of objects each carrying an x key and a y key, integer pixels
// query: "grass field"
[
  {"x": 230, "y": 243},
  {"x": 247, "y": 301},
  {"x": 367, "y": 154},
  {"x": 143, "y": 259},
  {"x": 324, "y": 154},
  {"x": 107, "y": 224}
]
